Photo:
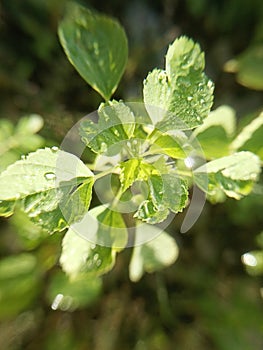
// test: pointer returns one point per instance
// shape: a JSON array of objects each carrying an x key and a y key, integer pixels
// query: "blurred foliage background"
[{"x": 206, "y": 300}]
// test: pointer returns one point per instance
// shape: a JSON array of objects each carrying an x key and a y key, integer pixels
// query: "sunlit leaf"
[
  {"x": 96, "y": 46},
  {"x": 233, "y": 175},
  {"x": 152, "y": 256},
  {"x": 181, "y": 96},
  {"x": 19, "y": 139},
  {"x": 166, "y": 192},
  {"x": 80, "y": 256},
  {"x": 250, "y": 138},
  {"x": 216, "y": 133},
  {"x": 115, "y": 124}
]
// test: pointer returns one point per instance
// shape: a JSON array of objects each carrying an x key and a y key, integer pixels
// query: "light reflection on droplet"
[
  {"x": 189, "y": 162},
  {"x": 54, "y": 148},
  {"x": 50, "y": 176},
  {"x": 57, "y": 301},
  {"x": 249, "y": 259},
  {"x": 62, "y": 302}
]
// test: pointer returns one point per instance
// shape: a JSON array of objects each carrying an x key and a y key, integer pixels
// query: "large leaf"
[
  {"x": 233, "y": 176},
  {"x": 115, "y": 125},
  {"x": 37, "y": 181},
  {"x": 152, "y": 256},
  {"x": 68, "y": 295},
  {"x": 181, "y": 96},
  {"x": 96, "y": 46},
  {"x": 216, "y": 133},
  {"x": 90, "y": 259},
  {"x": 40, "y": 171},
  {"x": 250, "y": 138},
  {"x": 57, "y": 208}
]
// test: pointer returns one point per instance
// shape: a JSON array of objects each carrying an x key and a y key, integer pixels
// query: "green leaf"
[
  {"x": 250, "y": 138},
  {"x": 49, "y": 203},
  {"x": 69, "y": 295},
  {"x": 166, "y": 144},
  {"x": 29, "y": 235},
  {"x": 19, "y": 284},
  {"x": 152, "y": 256},
  {"x": 115, "y": 124},
  {"x": 38, "y": 171},
  {"x": 233, "y": 176},
  {"x": 14, "y": 141},
  {"x": 167, "y": 191},
  {"x": 216, "y": 133},
  {"x": 248, "y": 67},
  {"x": 129, "y": 172},
  {"x": 106, "y": 227},
  {"x": 7, "y": 208},
  {"x": 56, "y": 209},
  {"x": 91, "y": 259},
  {"x": 181, "y": 96},
  {"x": 96, "y": 46}
]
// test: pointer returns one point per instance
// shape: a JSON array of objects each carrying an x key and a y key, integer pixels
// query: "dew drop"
[
  {"x": 103, "y": 147},
  {"x": 93, "y": 246},
  {"x": 189, "y": 98},
  {"x": 54, "y": 148},
  {"x": 50, "y": 176},
  {"x": 96, "y": 257},
  {"x": 98, "y": 263},
  {"x": 23, "y": 157}
]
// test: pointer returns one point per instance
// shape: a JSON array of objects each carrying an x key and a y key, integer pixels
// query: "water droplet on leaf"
[
  {"x": 50, "y": 176},
  {"x": 54, "y": 148}
]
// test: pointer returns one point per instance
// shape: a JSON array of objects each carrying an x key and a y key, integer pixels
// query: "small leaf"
[
  {"x": 96, "y": 46},
  {"x": 152, "y": 256},
  {"x": 7, "y": 208},
  {"x": 166, "y": 191},
  {"x": 20, "y": 139},
  {"x": 115, "y": 124},
  {"x": 248, "y": 67},
  {"x": 106, "y": 227},
  {"x": 250, "y": 138},
  {"x": 216, "y": 133},
  {"x": 166, "y": 144},
  {"x": 233, "y": 176},
  {"x": 69, "y": 295},
  {"x": 91, "y": 259},
  {"x": 129, "y": 172}
]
